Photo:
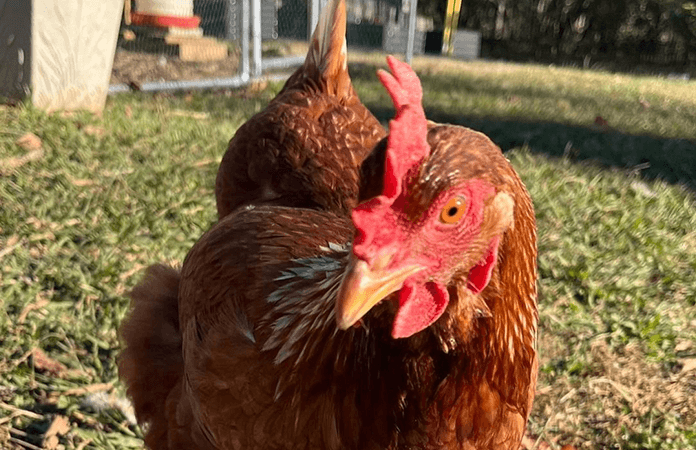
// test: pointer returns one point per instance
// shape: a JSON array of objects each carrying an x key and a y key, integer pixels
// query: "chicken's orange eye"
[{"x": 453, "y": 210}]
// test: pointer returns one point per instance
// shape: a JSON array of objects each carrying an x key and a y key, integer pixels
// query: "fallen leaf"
[
  {"x": 47, "y": 236},
  {"x": 77, "y": 415},
  {"x": 29, "y": 142},
  {"x": 12, "y": 243},
  {"x": 257, "y": 86},
  {"x": 543, "y": 390},
  {"x": 59, "y": 426},
  {"x": 93, "y": 130},
  {"x": 75, "y": 373},
  {"x": 40, "y": 302},
  {"x": 602, "y": 124},
  {"x": 43, "y": 363},
  {"x": 129, "y": 273},
  {"x": 88, "y": 389},
  {"x": 205, "y": 162},
  {"x": 530, "y": 442},
  {"x": 12, "y": 240},
  {"x": 37, "y": 251},
  {"x": 128, "y": 112},
  {"x": 689, "y": 364},
  {"x": 36, "y": 223},
  {"x": 192, "y": 114},
  {"x": 83, "y": 444},
  {"x": 79, "y": 182},
  {"x": 683, "y": 346},
  {"x": 527, "y": 443}
]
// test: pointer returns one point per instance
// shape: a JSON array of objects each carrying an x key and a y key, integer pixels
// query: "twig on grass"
[
  {"x": 620, "y": 388},
  {"x": 24, "y": 444},
  {"x": 10, "y": 248},
  {"x": 20, "y": 412},
  {"x": 89, "y": 389},
  {"x": 83, "y": 444}
]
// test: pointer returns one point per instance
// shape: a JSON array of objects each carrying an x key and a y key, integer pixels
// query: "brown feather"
[
  {"x": 306, "y": 147},
  {"x": 153, "y": 347}
]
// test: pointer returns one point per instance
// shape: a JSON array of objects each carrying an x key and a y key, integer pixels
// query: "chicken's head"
[{"x": 439, "y": 217}]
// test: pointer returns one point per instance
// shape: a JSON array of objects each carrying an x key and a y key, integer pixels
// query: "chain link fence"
[{"x": 189, "y": 44}]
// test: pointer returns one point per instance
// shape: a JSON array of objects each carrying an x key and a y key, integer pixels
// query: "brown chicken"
[
  {"x": 305, "y": 148},
  {"x": 411, "y": 326}
]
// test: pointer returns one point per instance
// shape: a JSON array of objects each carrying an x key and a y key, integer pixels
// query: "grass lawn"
[{"x": 88, "y": 202}]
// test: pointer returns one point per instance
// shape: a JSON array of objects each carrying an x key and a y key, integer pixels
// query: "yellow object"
[{"x": 454, "y": 7}]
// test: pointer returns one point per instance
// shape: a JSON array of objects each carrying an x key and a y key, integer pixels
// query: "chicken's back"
[{"x": 305, "y": 148}]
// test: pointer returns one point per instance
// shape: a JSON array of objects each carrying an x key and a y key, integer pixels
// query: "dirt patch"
[
  {"x": 624, "y": 398},
  {"x": 134, "y": 65},
  {"x": 136, "y": 68}
]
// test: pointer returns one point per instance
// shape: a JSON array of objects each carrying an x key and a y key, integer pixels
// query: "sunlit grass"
[{"x": 633, "y": 104}]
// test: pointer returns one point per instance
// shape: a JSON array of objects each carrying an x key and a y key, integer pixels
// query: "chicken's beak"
[{"x": 364, "y": 286}]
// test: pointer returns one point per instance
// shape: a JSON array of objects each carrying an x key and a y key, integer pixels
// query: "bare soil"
[
  {"x": 133, "y": 65},
  {"x": 135, "y": 68}
]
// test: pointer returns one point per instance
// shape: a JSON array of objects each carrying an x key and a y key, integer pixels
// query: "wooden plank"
[
  {"x": 201, "y": 50},
  {"x": 127, "y": 12}
]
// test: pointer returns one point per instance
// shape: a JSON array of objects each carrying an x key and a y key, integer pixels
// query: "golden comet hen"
[{"x": 409, "y": 325}]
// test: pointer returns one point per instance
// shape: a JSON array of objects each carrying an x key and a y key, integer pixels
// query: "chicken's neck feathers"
[{"x": 303, "y": 338}]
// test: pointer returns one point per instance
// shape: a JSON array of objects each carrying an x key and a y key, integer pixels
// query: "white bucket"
[{"x": 181, "y": 8}]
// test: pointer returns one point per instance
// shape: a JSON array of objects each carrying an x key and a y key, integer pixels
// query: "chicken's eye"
[{"x": 453, "y": 210}]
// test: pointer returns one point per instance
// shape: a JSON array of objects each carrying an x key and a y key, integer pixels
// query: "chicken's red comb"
[
  {"x": 407, "y": 146},
  {"x": 407, "y": 143}
]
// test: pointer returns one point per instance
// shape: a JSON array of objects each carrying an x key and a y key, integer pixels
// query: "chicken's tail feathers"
[
  {"x": 151, "y": 364},
  {"x": 327, "y": 56}
]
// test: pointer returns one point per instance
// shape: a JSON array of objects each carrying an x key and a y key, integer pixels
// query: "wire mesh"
[
  {"x": 158, "y": 44},
  {"x": 184, "y": 44}
]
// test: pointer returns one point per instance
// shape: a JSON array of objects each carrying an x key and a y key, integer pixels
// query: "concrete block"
[{"x": 59, "y": 52}]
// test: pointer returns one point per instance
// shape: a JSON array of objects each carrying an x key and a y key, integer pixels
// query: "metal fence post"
[
  {"x": 256, "y": 37},
  {"x": 245, "y": 40},
  {"x": 410, "y": 42}
]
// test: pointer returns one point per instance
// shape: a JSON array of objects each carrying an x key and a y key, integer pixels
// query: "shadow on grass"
[{"x": 671, "y": 160}]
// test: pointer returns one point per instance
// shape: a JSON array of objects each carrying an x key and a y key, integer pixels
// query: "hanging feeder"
[{"x": 165, "y": 14}]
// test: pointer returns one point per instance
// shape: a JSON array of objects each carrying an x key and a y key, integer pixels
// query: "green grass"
[
  {"x": 651, "y": 121},
  {"x": 110, "y": 195},
  {"x": 633, "y": 104}
]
